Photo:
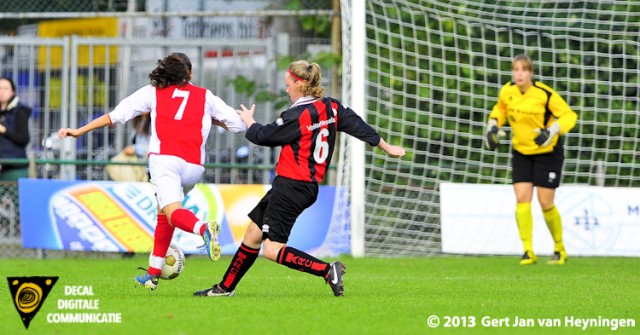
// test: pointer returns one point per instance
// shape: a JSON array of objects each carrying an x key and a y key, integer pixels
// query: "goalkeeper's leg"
[
  {"x": 524, "y": 218},
  {"x": 546, "y": 167},
  {"x": 554, "y": 223}
]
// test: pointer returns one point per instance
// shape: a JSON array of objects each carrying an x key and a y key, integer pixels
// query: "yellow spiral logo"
[
  {"x": 28, "y": 297},
  {"x": 28, "y": 294}
]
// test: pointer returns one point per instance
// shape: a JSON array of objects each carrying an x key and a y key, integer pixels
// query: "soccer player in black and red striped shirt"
[{"x": 307, "y": 133}]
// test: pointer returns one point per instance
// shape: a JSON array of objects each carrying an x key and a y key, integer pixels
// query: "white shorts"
[{"x": 172, "y": 177}]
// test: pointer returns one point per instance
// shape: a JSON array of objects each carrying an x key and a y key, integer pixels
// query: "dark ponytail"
[{"x": 175, "y": 69}]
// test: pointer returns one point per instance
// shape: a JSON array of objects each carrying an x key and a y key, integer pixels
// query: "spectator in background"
[
  {"x": 134, "y": 153},
  {"x": 14, "y": 131},
  {"x": 140, "y": 138},
  {"x": 538, "y": 116}
]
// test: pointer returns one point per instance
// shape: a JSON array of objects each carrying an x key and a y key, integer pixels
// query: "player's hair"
[
  {"x": 13, "y": 85},
  {"x": 309, "y": 74},
  {"x": 175, "y": 69},
  {"x": 525, "y": 60}
]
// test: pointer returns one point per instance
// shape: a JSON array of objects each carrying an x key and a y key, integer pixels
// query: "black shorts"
[
  {"x": 278, "y": 210},
  {"x": 544, "y": 170}
]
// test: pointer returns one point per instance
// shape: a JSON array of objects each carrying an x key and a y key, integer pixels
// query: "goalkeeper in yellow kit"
[{"x": 537, "y": 116}]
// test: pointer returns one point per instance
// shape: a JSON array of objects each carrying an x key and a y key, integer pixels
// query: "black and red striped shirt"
[{"x": 307, "y": 133}]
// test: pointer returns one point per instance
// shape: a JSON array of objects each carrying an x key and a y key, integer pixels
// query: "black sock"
[
  {"x": 240, "y": 264},
  {"x": 299, "y": 260}
]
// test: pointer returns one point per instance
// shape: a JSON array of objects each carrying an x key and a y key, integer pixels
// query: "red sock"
[
  {"x": 299, "y": 260},
  {"x": 161, "y": 240},
  {"x": 187, "y": 221}
]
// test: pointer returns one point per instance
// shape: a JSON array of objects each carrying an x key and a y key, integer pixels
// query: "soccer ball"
[{"x": 173, "y": 263}]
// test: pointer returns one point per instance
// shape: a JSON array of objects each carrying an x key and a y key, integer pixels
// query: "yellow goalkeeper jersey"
[{"x": 538, "y": 107}]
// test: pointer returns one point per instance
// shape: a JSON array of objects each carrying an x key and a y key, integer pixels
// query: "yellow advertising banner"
[{"x": 91, "y": 27}]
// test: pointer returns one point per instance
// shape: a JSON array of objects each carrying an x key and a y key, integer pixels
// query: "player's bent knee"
[
  {"x": 270, "y": 255},
  {"x": 547, "y": 206},
  {"x": 271, "y": 250},
  {"x": 253, "y": 236}
]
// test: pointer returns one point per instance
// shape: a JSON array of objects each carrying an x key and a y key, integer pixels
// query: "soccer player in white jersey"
[{"x": 181, "y": 117}]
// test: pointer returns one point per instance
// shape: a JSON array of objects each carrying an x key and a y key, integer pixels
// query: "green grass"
[{"x": 382, "y": 296}]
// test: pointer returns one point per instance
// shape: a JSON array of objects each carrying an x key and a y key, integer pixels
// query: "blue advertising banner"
[{"x": 121, "y": 216}]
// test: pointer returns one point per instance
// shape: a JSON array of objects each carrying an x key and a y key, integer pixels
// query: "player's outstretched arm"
[
  {"x": 247, "y": 114},
  {"x": 391, "y": 150},
  {"x": 99, "y": 122},
  {"x": 219, "y": 124}
]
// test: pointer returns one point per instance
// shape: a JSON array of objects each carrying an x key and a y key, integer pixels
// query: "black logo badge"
[{"x": 28, "y": 294}]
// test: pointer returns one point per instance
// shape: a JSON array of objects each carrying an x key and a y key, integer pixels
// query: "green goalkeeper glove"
[
  {"x": 546, "y": 135},
  {"x": 492, "y": 135}
]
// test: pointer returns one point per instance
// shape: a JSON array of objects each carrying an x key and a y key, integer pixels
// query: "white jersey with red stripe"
[{"x": 181, "y": 118}]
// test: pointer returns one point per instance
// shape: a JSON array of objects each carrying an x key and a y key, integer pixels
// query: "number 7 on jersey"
[{"x": 185, "y": 97}]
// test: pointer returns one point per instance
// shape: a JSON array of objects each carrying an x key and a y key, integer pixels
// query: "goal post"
[
  {"x": 431, "y": 72},
  {"x": 356, "y": 152}
]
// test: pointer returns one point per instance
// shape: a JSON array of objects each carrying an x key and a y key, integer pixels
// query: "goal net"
[{"x": 431, "y": 73}]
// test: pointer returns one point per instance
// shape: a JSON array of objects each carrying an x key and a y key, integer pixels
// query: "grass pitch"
[{"x": 467, "y": 295}]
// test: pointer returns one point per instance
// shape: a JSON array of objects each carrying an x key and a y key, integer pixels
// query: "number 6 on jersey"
[{"x": 321, "y": 152}]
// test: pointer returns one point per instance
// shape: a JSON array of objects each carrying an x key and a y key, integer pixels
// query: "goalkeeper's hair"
[
  {"x": 525, "y": 60},
  {"x": 311, "y": 76}
]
